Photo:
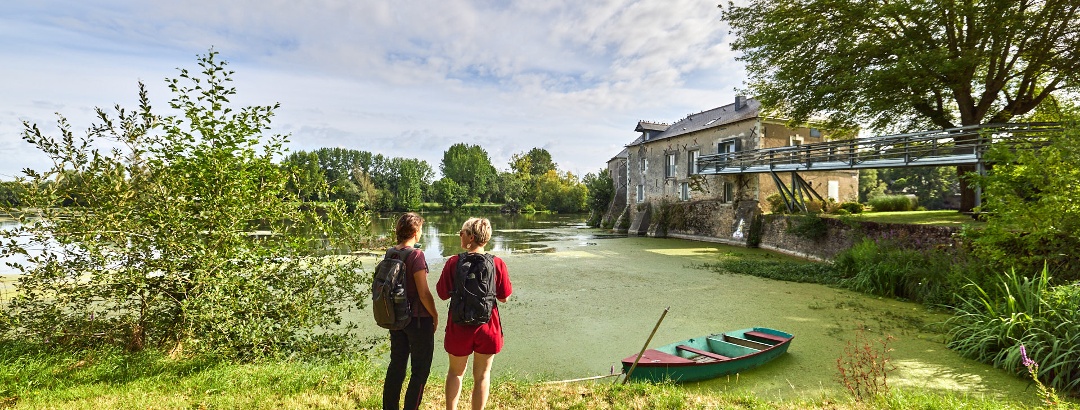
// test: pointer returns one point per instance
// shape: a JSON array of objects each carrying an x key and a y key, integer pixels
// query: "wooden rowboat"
[{"x": 709, "y": 356}]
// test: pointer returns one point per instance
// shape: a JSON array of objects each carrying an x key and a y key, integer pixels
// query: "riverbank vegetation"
[
  {"x": 32, "y": 377},
  {"x": 181, "y": 272}
]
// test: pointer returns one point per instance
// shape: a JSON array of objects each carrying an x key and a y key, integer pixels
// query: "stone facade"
[
  {"x": 660, "y": 166},
  {"x": 616, "y": 168}
]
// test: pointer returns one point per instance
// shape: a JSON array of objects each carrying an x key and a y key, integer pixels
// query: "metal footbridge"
[{"x": 947, "y": 147}]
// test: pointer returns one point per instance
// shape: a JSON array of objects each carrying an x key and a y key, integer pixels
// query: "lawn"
[{"x": 941, "y": 218}]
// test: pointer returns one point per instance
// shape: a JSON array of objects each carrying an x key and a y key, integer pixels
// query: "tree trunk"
[{"x": 967, "y": 190}]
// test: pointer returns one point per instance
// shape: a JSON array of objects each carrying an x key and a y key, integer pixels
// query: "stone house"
[{"x": 661, "y": 167}]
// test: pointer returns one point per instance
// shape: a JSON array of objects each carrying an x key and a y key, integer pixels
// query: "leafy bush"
[
  {"x": 1031, "y": 206},
  {"x": 1022, "y": 312},
  {"x": 810, "y": 227},
  {"x": 892, "y": 203},
  {"x": 601, "y": 190},
  {"x": 852, "y": 207},
  {"x": 776, "y": 204},
  {"x": 185, "y": 236}
]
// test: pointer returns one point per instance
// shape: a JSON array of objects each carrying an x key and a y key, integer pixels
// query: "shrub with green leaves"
[
  {"x": 808, "y": 226},
  {"x": 1032, "y": 205},
  {"x": 179, "y": 232},
  {"x": 852, "y": 207},
  {"x": 1021, "y": 311},
  {"x": 892, "y": 203}
]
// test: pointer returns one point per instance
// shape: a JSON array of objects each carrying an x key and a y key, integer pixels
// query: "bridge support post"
[{"x": 796, "y": 196}]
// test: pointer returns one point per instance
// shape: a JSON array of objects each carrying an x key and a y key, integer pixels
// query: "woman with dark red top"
[
  {"x": 482, "y": 341},
  {"x": 418, "y": 338}
]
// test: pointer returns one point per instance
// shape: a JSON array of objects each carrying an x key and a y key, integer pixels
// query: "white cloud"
[{"x": 406, "y": 78}]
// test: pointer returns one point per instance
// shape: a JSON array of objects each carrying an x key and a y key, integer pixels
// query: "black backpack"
[
  {"x": 473, "y": 296},
  {"x": 389, "y": 300}
]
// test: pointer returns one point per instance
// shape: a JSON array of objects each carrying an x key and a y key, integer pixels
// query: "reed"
[
  {"x": 1017, "y": 312},
  {"x": 886, "y": 268}
]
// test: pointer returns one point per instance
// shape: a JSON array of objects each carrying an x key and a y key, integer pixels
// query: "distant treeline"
[{"x": 375, "y": 182}]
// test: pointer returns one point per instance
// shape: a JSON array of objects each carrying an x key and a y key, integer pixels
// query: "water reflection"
[
  {"x": 536, "y": 233},
  {"x": 512, "y": 233}
]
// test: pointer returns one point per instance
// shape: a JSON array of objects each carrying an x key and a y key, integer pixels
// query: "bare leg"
[
  {"x": 453, "y": 379},
  {"x": 481, "y": 374}
]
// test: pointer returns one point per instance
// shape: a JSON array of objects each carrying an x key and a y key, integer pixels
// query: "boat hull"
[{"x": 710, "y": 356}]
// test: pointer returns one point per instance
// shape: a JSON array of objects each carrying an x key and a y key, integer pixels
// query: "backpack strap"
[
  {"x": 457, "y": 269},
  {"x": 401, "y": 255}
]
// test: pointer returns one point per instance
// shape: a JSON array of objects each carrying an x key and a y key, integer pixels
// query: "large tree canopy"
[
  {"x": 905, "y": 64},
  {"x": 535, "y": 162},
  {"x": 469, "y": 166}
]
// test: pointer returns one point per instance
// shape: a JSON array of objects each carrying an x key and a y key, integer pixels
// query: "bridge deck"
[{"x": 955, "y": 146}]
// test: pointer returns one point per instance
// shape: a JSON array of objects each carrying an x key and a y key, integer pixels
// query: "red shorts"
[{"x": 464, "y": 340}]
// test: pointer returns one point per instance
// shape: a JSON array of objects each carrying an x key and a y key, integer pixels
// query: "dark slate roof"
[
  {"x": 650, "y": 126},
  {"x": 716, "y": 117},
  {"x": 624, "y": 154}
]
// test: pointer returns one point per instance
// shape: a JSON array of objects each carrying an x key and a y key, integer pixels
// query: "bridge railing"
[{"x": 954, "y": 146}]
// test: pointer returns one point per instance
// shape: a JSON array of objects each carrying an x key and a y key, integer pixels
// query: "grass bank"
[
  {"x": 31, "y": 378},
  {"x": 940, "y": 218}
]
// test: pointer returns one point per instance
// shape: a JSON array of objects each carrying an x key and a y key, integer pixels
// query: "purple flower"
[{"x": 1026, "y": 361}]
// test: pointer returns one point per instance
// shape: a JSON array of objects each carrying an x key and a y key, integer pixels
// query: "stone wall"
[
  {"x": 706, "y": 220},
  {"x": 715, "y": 221},
  {"x": 840, "y": 236}
]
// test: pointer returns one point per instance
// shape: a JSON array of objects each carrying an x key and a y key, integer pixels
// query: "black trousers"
[{"x": 417, "y": 340}]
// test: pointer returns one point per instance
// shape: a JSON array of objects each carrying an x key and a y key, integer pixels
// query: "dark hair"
[{"x": 407, "y": 225}]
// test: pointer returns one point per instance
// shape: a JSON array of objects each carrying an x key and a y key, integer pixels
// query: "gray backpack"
[{"x": 389, "y": 299}]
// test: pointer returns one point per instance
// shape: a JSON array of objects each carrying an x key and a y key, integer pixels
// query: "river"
[{"x": 585, "y": 298}]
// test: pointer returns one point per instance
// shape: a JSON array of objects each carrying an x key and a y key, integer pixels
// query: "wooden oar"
[
  {"x": 628, "y": 372},
  {"x": 603, "y": 376}
]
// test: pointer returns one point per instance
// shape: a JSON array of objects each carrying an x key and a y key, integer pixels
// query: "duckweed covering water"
[{"x": 578, "y": 310}]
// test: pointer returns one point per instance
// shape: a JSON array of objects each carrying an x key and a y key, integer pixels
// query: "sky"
[{"x": 401, "y": 78}]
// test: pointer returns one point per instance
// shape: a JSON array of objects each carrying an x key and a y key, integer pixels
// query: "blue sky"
[{"x": 403, "y": 78}]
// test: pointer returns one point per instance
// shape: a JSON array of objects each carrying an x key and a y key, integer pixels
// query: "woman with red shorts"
[{"x": 482, "y": 342}]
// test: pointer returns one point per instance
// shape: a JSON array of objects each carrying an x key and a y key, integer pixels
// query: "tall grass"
[
  {"x": 33, "y": 377},
  {"x": 1019, "y": 311},
  {"x": 895, "y": 269}
]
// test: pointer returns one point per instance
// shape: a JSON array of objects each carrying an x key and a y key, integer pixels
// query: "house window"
[
  {"x": 691, "y": 163},
  {"x": 795, "y": 140},
  {"x": 641, "y": 193},
  {"x": 684, "y": 191},
  {"x": 725, "y": 147},
  {"x": 816, "y": 133},
  {"x": 729, "y": 192},
  {"x": 644, "y": 165},
  {"x": 669, "y": 170}
]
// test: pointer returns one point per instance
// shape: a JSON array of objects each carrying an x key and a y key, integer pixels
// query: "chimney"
[{"x": 740, "y": 101}]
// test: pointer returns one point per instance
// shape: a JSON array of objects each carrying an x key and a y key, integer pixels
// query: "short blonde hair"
[{"x": 479, "y": 228}]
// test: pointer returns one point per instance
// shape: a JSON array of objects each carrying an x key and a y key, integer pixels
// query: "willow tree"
[{"x": 907, "y": 64}]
